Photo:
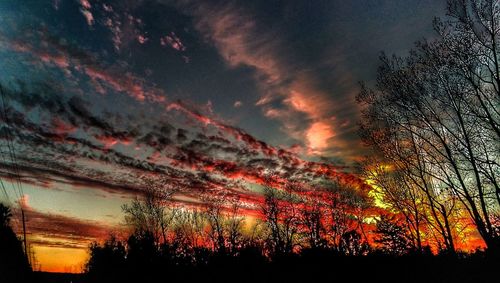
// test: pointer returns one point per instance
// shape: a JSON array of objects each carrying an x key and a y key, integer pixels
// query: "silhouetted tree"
[
  {"x": 107, "y": 262},
  {"x": 150, "y": 215},
  {"x": 143, "y": 255},
  {"x": 14, "y": 265},
  {"x": 398, "y": 195},
  {"x": 311, "y": 219},
  {"x": 469, "y": 72},
  {"x": 352, "y": 244},
  {"x": 234, "y": 228},
  {"x": 343, "y": 214},
  {"x": 393, "y": 237},
  {"x": 215, "y": 219},
  {"x": 188, "y": 236},
  {"x": 225, "y": 224},
  {"x": 281, "y": 217}
]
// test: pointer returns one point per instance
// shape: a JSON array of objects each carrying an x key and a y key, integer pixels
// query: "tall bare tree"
[{"x": 434, "y": 114}]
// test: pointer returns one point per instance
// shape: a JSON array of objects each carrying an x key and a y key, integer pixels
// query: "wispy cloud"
[
  {"x": 56, "y": 230},
  {"x": 242, "y": 41}
]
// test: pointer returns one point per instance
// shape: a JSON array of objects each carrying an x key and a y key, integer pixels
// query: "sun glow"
[{"x": 59, "y": 259}]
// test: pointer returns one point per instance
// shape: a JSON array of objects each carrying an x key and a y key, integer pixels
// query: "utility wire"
[
  {"x": 17, "y": 176},
  {"x": 10, "y": 146}
]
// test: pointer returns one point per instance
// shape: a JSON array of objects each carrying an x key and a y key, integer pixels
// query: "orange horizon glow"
[{"x": 59, "y": 259}]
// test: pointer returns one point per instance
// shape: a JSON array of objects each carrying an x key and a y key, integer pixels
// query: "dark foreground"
[{"x": 314, "y": 268}]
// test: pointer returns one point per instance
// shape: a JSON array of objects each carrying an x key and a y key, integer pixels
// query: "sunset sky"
[{"x": 209, "y": 97}]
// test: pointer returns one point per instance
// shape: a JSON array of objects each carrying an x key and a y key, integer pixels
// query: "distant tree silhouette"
[
  {"x": 393, "y": 237},
  {"x": 191, "y": 252},
  {"x": 150, "y": 215},
  {"x": 234, "y": 229},
  {"x": 107, "y": 262},
  {"x": 14, "y": 265},
  {"x": 225, "y": 225},
  {"x": 144, "y": 256},
  {"x": 352, "y": 244},
  {"x": 215, "y": 218},
  {"x": 188, "y": 237},
  {"x": 343, "y": 215}
]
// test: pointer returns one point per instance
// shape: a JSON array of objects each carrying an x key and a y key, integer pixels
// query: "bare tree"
[
  {"x": 189, "y": 225},
  {"x": 399, "y": 196},
  {"x": 344, "y": 214},
  {"x": 234, "y": 228},
  {"x": 225, "y": 224},
  {"x": 435, "y": 115},
  {"x": 215, "y": 219},
  {"x": 392, "y": 236},
  {"x": 311, "y": 219},
  {"x": 282, "y": 220},
  {"x": 150, "y": 214}
]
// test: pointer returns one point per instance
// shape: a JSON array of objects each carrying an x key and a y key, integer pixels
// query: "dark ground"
[
  {"x": 317, "y": 269},
  {"x": 50, "y": 277}
]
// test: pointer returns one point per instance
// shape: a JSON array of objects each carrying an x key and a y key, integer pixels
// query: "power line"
[
  {"x": 4, "y": 189},
  {"x": 17, "y": 176},
  {"x": 10, "y": 145}
]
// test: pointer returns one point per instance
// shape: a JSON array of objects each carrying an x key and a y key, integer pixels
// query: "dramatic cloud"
[
  {"x": 243, "y": 42},
  {"x": 92, "y": 151}
]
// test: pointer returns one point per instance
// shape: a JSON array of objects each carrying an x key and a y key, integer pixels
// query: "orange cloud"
[
  {"x": 109, "y": 141},
  {"x": 318, "y": 135}
]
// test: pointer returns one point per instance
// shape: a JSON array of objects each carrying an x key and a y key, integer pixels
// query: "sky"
[{"x": 207, "y": 97}]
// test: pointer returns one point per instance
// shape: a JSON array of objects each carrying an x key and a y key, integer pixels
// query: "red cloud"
[
  {"x": 66, "y": 231},
  {"x": 173, "y": 41},
  {"x": 110, "y": 141}
]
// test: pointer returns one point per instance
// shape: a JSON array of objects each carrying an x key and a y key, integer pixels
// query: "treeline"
[
  {"x": 296, "y": 237},
  {"x": 289, "y": 222}
]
